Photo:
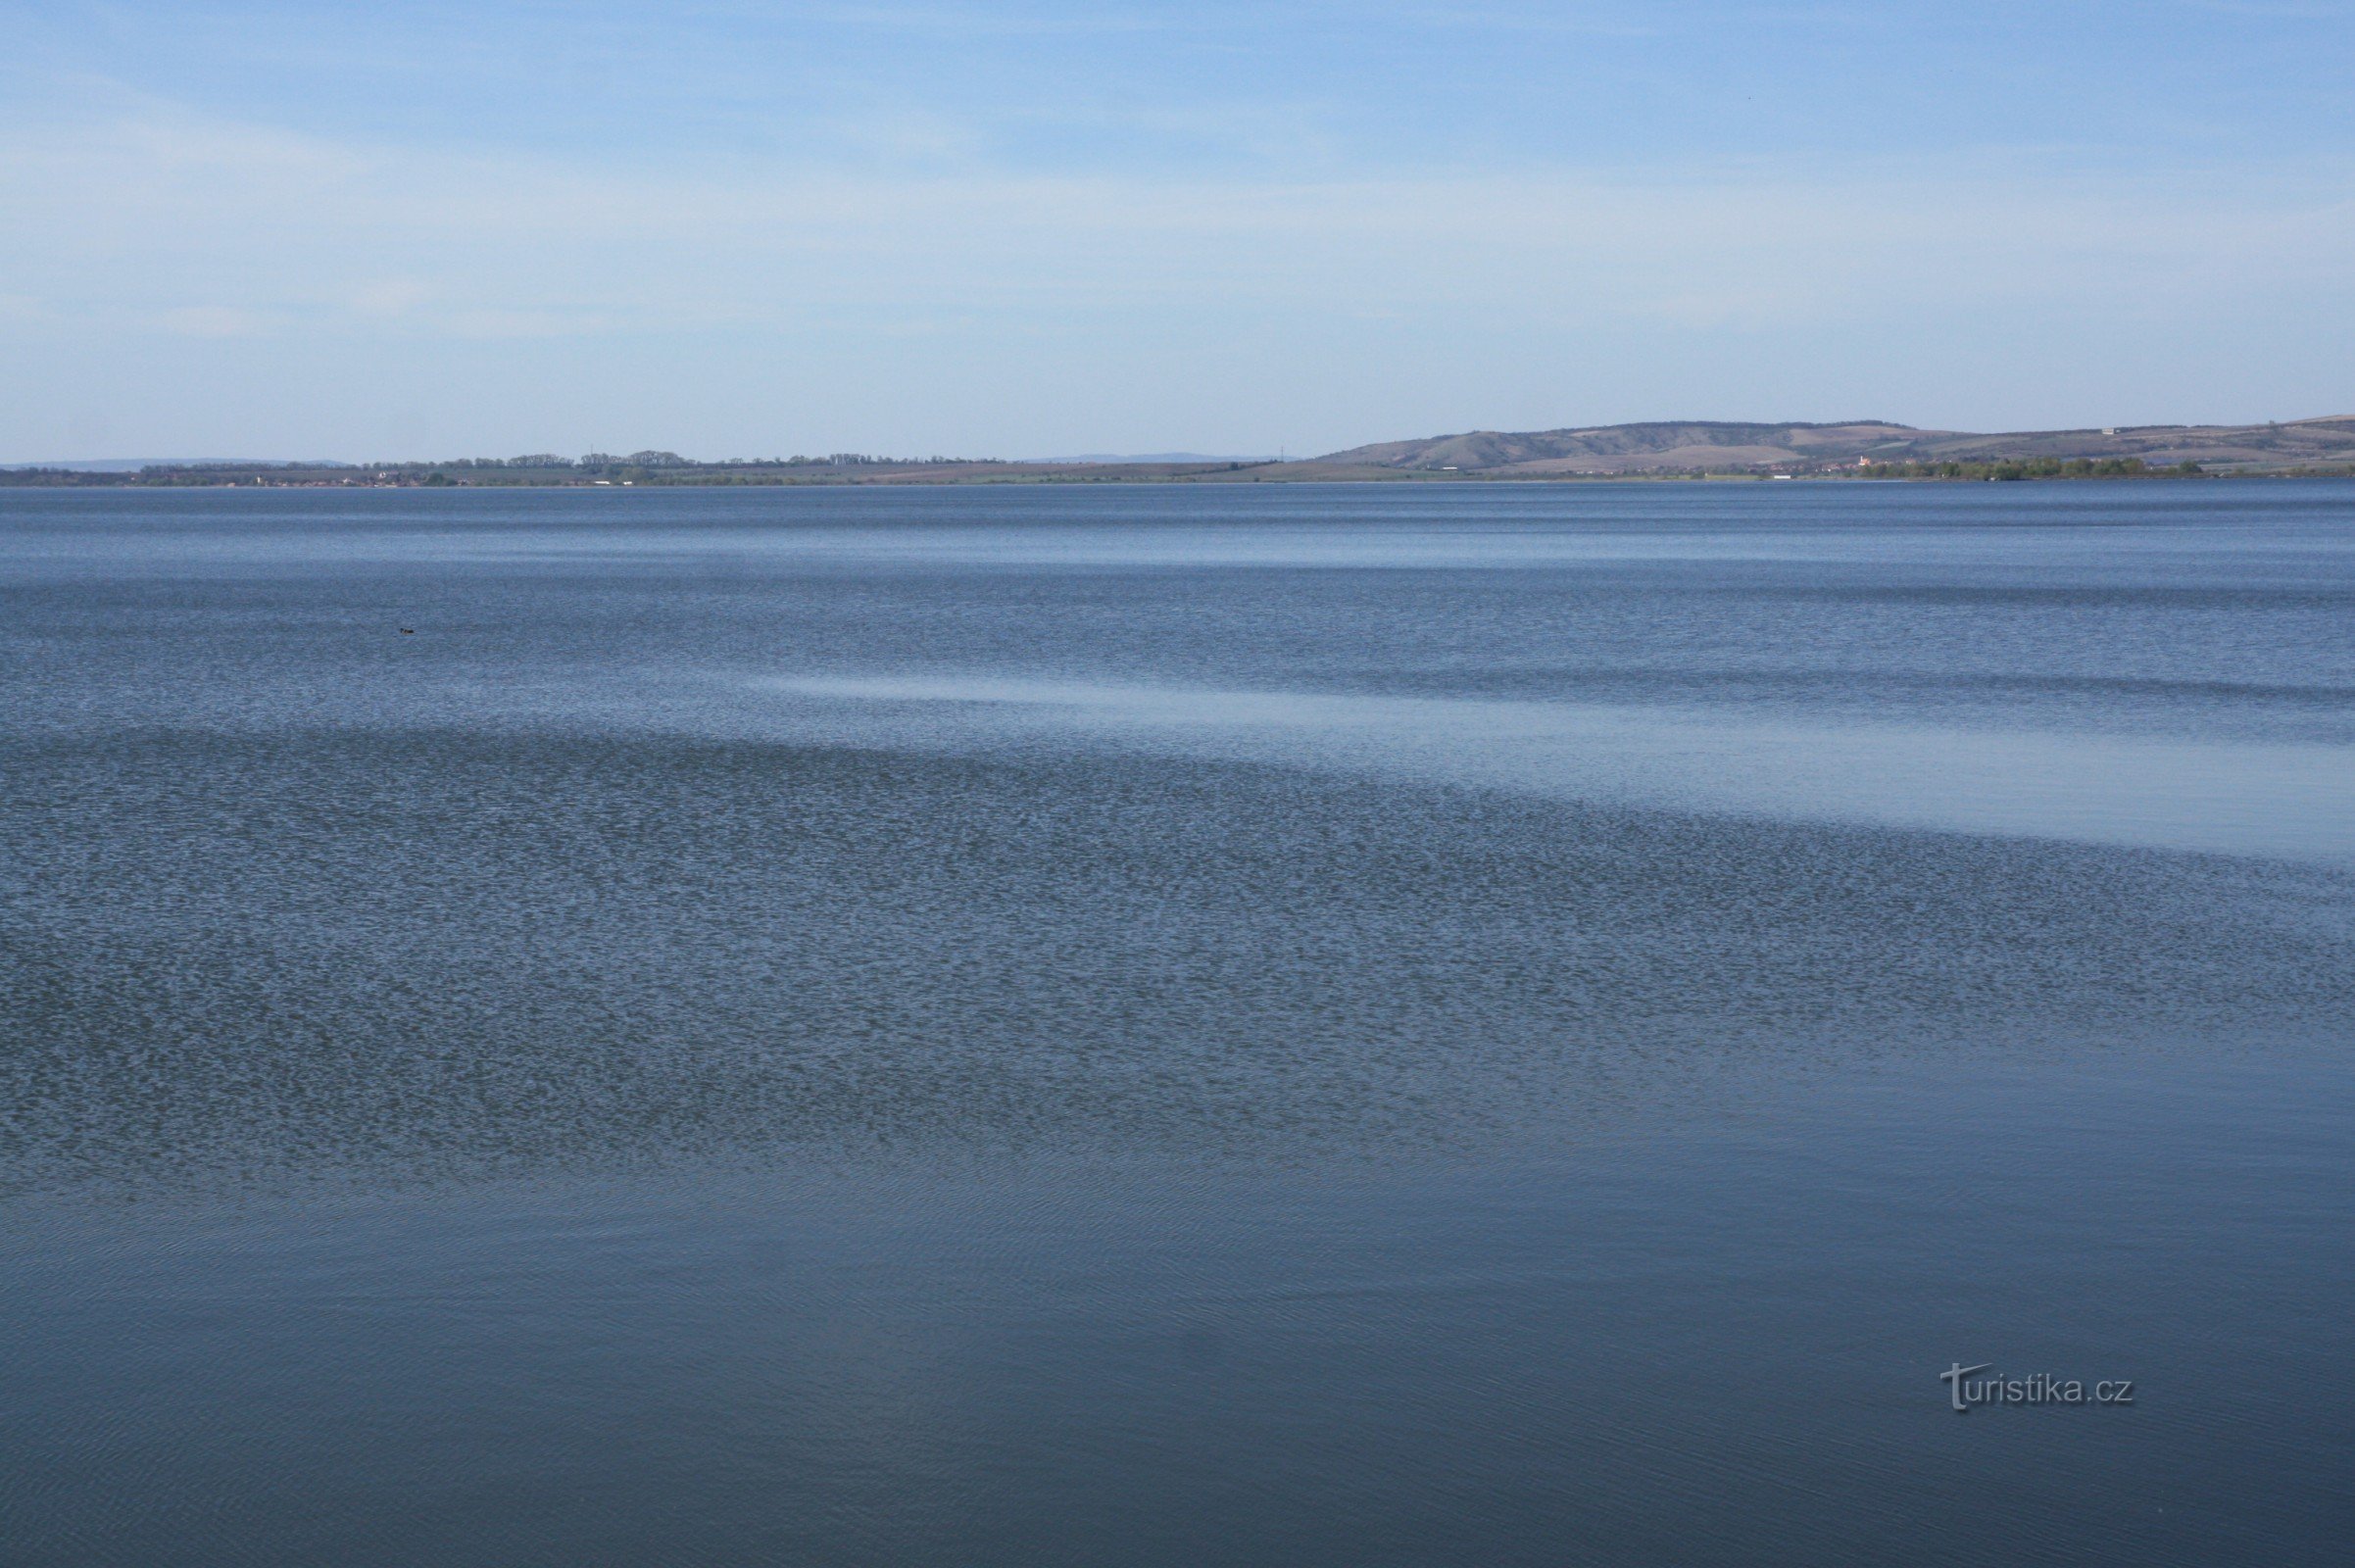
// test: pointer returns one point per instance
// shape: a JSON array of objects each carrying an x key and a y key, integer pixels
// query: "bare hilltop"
[{"x": 1723, "y": 446}]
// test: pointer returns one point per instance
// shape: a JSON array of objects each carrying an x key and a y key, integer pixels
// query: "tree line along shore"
[{"x": 478, "y": 473}]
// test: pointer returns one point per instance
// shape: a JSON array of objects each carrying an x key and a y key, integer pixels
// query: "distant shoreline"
[
  {"x": 262, "y": 478},
  {"x": 1686, "y": 450}
]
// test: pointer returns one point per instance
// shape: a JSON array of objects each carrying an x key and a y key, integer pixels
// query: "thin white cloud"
[
  {"x": 388, "y": 296},
  {"x": 146, "y": 215},
  {"x": 212, "y": 320}
]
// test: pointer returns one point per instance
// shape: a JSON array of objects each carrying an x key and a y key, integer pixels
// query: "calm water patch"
[{"x": 2239, "y": 796}]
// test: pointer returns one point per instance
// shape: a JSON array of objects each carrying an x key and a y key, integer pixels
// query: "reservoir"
[{"x": 1353, "y": 1024}]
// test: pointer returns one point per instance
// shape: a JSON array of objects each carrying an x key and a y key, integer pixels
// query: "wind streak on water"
[{"x": 2279, "y": 799}]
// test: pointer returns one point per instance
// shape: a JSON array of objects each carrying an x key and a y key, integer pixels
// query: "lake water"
[{"x": 1289, "y": 1024}]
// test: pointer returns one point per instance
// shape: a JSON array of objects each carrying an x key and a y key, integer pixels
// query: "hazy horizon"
[{"x": 440, "y": 230}]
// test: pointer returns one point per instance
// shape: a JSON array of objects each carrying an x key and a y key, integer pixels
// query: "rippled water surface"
[{"x": 1351, "y": 1025}]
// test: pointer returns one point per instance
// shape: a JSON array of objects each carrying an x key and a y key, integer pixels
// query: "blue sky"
[{"x": 1017, "y": 230}]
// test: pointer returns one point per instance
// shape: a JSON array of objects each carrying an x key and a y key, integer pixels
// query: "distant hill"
[{"x": 1721, "y": 444}]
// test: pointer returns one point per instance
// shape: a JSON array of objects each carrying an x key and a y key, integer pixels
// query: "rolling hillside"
[{"x": 1721, "y": 446}]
